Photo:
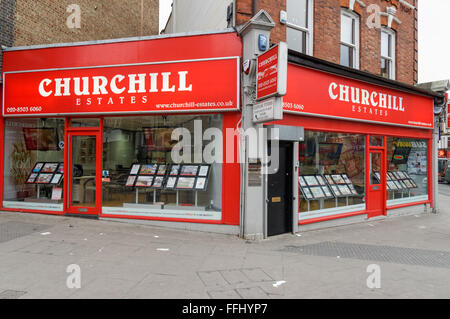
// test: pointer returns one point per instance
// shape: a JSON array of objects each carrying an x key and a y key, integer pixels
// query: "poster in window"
[
  {"x": 329, "y": 179},
  {"x": 408, "y": 183},
  {"x": 398, "y": 185},
  {"x": 174, "y": 170},
  {"x": 307, "y": 193},
  {"x": 144, "y": 181},
  {"x": 200, "y": 183},
  {"x": 56, "y": 179},
  {"x": 413, "y": 182},
  {"x": 338, "y": 179},
  {"x": 391, "y": 185},
  {"x": 130, "y": 181},
  {"x": 311, "y": 180},
  {"x": 185, "y": 182},
  {"x": 404, "y": 186},
  {"x": 44, "y": 178},
  {"x": 135, "y": 169},
  {"x": 317, "y": 192},
  {"x": 162, "y": 169},
  {"x": 40, "y": 139},
  {"x": 171, "y": 182},
  {"x": 327, "y": 191},
  {"x": 321, "y": 180},
  {"x": 301, "y": 181},
  {"x": 189, "y": 170},
  {"x": 158, "y": 182},
  {"x": 353, "y": 189},
  {"x": 57, "y": 193},
  {"x": 346, "y": 179},
  {"x": 335, "y": 190},
  {"x": 50, "y": 167},
  {"x": 203, "y": 172},
  {"x": 32, "y": 178},
  {"x": 148, "y": 169},
  {"x": 344, "y": 190},
  {"x": 60, "y": 169},
  {"x": 37, "y": 168}
]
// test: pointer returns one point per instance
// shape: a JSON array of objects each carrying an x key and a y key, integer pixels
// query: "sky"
[{"x": 434, "y": 30}]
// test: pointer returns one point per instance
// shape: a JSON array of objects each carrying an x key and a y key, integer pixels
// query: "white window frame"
[
  {"x": 309, "y": 30},
  {"x": 355, "y": 46},
  {"x": 391, "y": 59}
]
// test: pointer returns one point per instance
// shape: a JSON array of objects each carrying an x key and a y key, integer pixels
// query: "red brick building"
[{"x": 322, "y": 24}]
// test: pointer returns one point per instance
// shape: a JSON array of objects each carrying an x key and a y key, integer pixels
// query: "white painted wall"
[{"x": 197, "y": 15}]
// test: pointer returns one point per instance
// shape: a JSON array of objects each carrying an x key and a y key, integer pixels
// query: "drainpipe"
[{"x": 254, "y": 7}]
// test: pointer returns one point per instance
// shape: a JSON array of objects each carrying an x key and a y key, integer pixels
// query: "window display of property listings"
[
  {"x": 407, "y": 170},
  {"x": 332, "y": 172},
  {"x": 144, "y": 179},
  {"x": 33, "y": 164}
]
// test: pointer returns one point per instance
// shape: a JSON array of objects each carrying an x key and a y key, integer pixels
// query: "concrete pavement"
[{"x": 120, "y": 260}]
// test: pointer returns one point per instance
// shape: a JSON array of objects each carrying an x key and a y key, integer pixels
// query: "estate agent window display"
[
  {"x": 139, "y": 174},
  {"x": 34, "y": 164},
  {"x": 332, "y": 172}
]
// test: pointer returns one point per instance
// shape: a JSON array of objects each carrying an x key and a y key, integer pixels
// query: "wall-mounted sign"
[
  {"x": 268, "y": 110},
  {"x": 271, "y": 72},
  {"x": 195, "y": 85},
  {"x": 316, "y": 93}
]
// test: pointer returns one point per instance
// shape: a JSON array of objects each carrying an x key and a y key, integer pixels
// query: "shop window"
[
  {"x": 141, "y": 177},
  {"x": 299, "y": 31},
  {"x": 332, "y": 173},
  {"x": 349, "y": 39},
  {"x": 34, "y": 164},
  {"x": 407, "y": 176},
  {"x": 388, "y": 53}
]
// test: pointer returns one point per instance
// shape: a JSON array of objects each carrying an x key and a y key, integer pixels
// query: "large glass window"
[
  {"x": 299, "y": 25},
  {"x": 332, "y": 173},
  {"x": 388, "y": 54},
  {"x": 33, "y": 164},
  {"x": 349, "y": 39},
  {"x": 142, "y": 177},
  {"x": 407, "y": 177}
]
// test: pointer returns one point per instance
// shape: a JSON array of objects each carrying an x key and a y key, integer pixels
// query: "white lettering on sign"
[
  {"x": 345, "y": 93},
  {"x": 101, "y": 85}
]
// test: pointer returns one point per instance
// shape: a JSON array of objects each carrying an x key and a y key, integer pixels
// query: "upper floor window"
[
  {"x": 388, "y": 53},
  {"x": 299, "y": 31},
  {"x": 349, "y": 39}
]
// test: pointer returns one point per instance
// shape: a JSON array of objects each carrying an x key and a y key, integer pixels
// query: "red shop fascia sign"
[
  {"x": 320, "y": 94},
  {"x": 192, "y": 77}
]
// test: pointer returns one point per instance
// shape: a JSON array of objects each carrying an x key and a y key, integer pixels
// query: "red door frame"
[
  {"x": 373, "y": 205},
  {"x": 84, "y": 131}
]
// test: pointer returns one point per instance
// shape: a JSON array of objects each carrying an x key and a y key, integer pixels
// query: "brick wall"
[
  {"x": 327, "y": 32},
  {"x": 44, "y": 21},
  {"x": 29, "y": 22},
  {"x": 6, "y": 25}
]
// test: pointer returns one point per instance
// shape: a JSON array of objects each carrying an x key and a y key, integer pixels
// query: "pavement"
[{"x": 41, "y": 256}]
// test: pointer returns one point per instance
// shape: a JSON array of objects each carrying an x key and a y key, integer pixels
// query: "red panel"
[
  {"x": 231, "y": 178},
  {"x": 322, "y": 94},
  {"x": 168, "y": 87},
  {"x": 163, "y": 49},
  {"x": 332, "y": 125}
]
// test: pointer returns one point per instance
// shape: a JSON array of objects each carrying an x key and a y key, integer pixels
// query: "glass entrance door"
[
  {"x": 84, "y": 173},
  {"x": 376, "y": 201}
]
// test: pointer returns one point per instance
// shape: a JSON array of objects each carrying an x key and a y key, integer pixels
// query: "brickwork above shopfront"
[
  {"x": 30, "y": 22},
  {"x": 326, "y": 28}
]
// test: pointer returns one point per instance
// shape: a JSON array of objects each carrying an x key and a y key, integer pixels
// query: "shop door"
[
  {"x": 84, "y": 169},
  {"x": 279, "y": 207},
  {"x": 376, "y": 194}
]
